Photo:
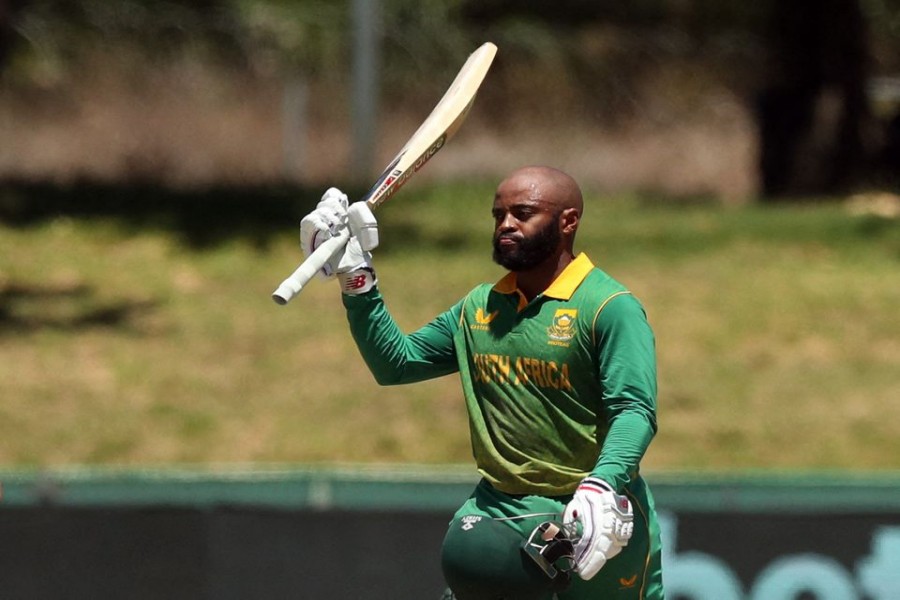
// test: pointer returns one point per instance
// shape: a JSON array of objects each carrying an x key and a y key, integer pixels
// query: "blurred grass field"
[{"x": 778, "y": 336}]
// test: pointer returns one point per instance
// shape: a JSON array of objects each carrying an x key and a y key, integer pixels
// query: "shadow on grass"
[
  {"x": 24, "y": 309},
  {"x": 200, "y": 218}
]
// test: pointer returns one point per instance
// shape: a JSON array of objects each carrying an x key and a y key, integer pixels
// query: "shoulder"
[
  {"x": 479, "y": 293},
  {"x": 608, "y": 299},
  {"x": 620, "y": 306},
  {"x": 598, "y": 290},
  {"x": 599, "y": 283}
]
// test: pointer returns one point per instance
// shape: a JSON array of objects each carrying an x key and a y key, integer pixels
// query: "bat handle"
[{"x": 291, "y": 286}]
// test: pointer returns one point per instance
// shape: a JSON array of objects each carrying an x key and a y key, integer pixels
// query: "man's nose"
[{"x": 507, "y": 223}]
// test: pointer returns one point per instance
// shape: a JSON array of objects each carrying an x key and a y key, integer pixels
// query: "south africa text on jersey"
[{"x": 500, "y": 368}]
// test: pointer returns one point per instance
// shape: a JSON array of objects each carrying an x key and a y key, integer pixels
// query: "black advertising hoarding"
[{"x": 342, "y": 533}]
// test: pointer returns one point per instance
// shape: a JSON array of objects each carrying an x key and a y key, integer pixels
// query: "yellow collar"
[{"x": 562, "y": 287}]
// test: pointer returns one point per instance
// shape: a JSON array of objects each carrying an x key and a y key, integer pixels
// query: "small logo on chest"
[
  {"x": 562, "y": 329},
  {"x": 483, "y": 319}
]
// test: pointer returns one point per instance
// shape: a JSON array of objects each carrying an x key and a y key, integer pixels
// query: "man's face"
[{"x": 526, "y": 229}]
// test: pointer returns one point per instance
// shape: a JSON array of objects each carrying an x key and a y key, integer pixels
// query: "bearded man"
[{"x": 558, "y": 370}]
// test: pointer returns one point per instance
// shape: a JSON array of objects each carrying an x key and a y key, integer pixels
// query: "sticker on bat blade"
[
  {"x": 385, "y": 180},
  {"x": 399, "y": 179}
]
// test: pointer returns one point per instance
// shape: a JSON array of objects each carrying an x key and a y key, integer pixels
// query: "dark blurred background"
[{"x": 722, "y": 99}]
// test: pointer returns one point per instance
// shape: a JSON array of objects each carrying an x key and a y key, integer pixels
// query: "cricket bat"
[{"x": 434, "y": 132}]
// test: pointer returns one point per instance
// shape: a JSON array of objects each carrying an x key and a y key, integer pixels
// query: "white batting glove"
[
  {"x": 352, "y": 265},
  {"x": 606, "y": 520}
]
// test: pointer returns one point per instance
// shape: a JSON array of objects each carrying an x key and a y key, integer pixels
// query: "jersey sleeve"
[
  {"x": 392, "y": 356},
  {"x": 627, "y": 369}
]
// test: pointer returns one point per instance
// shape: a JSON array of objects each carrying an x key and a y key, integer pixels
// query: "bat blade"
[{"x": 434, "y": 132}]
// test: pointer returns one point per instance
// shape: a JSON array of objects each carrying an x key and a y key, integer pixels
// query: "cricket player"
[{"x": 558, "y": 370}]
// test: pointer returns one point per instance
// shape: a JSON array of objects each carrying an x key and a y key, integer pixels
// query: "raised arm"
[
  {"x": 392, "y": 356},
  {"x": 395, "y": 357}
]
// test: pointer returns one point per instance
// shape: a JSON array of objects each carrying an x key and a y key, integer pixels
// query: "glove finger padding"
[
  {"x": 336, "y": 201},
  {"x": 607, "y": 522},
  {"x": 323, "y": 223},
  {"x": 353, "y": 263}
]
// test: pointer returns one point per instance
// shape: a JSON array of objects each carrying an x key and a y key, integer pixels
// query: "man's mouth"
[{"x": 508, "y": 240}]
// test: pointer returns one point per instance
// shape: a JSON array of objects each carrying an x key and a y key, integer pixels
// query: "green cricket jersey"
[{"x": 556, "y": 388}]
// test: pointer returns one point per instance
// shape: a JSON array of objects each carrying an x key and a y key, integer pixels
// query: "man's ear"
[{"x": 568, "y": 220}]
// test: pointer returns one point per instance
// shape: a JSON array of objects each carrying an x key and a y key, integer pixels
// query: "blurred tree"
[
  {"x": 802, "y": 65},
  {"x": 263, "y": 34},
  {"x": 812, "y": 109},
  {"x": 807, "y": 80},
  {"x": 8, "y": 10}
]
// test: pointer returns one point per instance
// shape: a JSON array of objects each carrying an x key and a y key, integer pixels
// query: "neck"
[{"x": 534, "y": 281}]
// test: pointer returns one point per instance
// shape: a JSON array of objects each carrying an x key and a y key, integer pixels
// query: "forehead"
[{"x": 521, "y": 190}]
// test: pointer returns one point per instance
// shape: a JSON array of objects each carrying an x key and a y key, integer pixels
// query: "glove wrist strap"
[
  {"x": 358, "y": 281},
  {"x": 595, "y": 485}
]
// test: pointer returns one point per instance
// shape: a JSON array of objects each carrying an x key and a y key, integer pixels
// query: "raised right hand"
[{"x": 352, "y": 264}]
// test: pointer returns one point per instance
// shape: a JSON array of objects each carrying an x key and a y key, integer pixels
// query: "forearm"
[
  {"x": 392, "y": 356},
  {"x": 626, "y": 442}
]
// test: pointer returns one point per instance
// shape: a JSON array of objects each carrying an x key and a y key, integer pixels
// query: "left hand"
[{"x": 606, "y": 520}]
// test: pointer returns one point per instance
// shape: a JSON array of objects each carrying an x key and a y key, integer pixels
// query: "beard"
[{"x": 530, "y": 251}]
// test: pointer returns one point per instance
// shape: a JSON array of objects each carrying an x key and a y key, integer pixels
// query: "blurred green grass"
[{"x": 777, "y": 330}]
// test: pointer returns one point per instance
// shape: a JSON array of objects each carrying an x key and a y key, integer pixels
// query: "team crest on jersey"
[{"x": 562, "y": 330}]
